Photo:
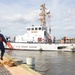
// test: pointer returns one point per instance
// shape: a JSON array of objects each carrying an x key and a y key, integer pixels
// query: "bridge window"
[
  {"x": 35, "y": 28},
  {"x": 28, "y": 28},
  {"x": 39, "y": 28},
  {"x": 32, "y": 28}
]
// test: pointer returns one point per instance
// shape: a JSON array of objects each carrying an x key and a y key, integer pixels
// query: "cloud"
[
  {"x": 70, "y": 28},
  {"x": 21, "y": 18}
]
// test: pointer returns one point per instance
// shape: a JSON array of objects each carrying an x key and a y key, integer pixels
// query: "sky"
[{"x": 15, "y": 15}]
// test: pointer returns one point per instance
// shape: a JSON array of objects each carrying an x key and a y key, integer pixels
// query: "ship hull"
[{"x": 41, "y": 46}]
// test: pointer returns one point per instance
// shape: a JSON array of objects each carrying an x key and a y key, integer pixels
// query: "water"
[{"x": 48, "y": 62}]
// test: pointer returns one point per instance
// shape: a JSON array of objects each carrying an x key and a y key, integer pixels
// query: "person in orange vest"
[{"x": 2, "y": 39}]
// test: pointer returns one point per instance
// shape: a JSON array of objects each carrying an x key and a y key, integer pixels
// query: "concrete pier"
[{"x": 21, "y": 69}]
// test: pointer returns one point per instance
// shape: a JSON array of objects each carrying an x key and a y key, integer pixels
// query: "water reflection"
[{"x": 48, "y": 62}]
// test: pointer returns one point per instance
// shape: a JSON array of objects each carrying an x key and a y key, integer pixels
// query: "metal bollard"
[{"x": 30, "y": 61}]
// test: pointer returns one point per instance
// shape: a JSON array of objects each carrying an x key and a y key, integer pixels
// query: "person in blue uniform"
[{"x": 2, "y": 39}]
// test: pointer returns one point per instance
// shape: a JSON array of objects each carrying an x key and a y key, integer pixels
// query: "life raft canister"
[
  {"x": 72, "y": 47},
  {"x": 1, "y": 39}
]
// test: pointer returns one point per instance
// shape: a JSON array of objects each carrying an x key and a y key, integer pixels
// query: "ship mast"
[{"x": 43, "y": 15}]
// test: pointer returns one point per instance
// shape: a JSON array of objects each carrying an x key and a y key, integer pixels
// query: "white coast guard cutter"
[{"x": 39, "y": 37}]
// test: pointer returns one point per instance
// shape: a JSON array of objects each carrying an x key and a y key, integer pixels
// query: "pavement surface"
[
  {"x": 15, "y": 70},
  {"x": 4, "y": 71}
]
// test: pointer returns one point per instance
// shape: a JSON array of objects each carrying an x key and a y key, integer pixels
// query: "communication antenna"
[{"x": 43, "y": 15}]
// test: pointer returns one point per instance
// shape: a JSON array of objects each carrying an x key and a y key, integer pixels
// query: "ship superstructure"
[{"x": 37, "y": 34}]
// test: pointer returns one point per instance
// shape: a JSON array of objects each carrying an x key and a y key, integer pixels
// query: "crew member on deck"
[{"x": 2, "y": 39}]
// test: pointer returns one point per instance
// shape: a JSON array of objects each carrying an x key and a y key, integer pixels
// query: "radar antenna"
[{"x": 43, "y": 15}]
